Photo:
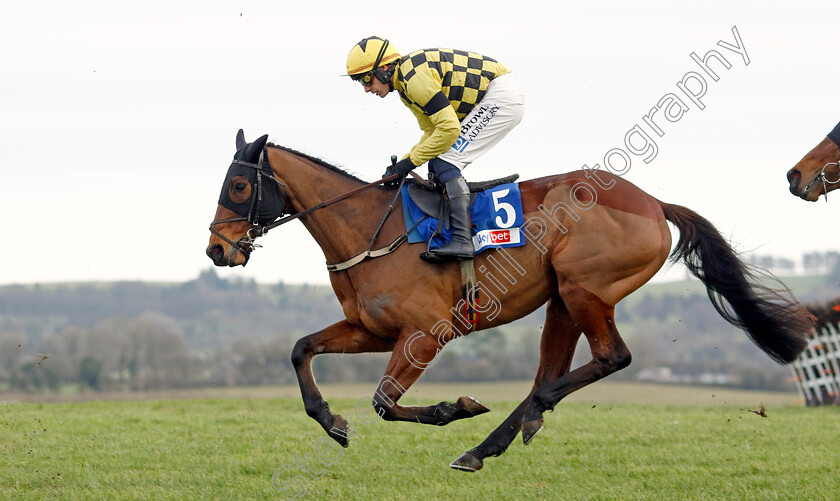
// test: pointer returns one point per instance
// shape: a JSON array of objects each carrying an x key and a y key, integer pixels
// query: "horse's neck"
[{"x": 341, "y": 229}]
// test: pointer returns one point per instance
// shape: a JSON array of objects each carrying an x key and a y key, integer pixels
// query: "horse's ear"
[
  {"x": 240, "y": 140},
  {"x": 260, "y": 143},
  {"x": 252, "y": 151}
]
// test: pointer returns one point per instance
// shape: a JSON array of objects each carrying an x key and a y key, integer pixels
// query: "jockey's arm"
[{"x": 440, "y": 131}]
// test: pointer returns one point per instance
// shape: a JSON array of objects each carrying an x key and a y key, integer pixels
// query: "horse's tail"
[{"x": 771, "y": 317}]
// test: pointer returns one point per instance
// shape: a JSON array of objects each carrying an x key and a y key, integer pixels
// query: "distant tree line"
[
  {"x": 134, "y": 336},
  {"x": 811, "y": 263}
]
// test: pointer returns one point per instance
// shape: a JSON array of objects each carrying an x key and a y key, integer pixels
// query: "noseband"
[
  {"x": 822, "y": 177},
  {"x": 246, "y": 240}
]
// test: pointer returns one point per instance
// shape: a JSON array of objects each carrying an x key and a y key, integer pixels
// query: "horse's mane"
[{"x": 318, "y": 161}]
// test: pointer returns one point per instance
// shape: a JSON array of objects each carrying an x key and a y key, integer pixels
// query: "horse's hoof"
[
  {"x": 467, "y": 462},
  {"x": 472, "y": 406},
  {"x": 530, "y": 430},
  {"x": 339, "y": 431}
]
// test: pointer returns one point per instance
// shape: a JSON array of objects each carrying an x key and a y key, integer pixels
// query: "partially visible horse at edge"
[
  {"x": 819, "y": 171},
  {"x": 592, "y": 239}
]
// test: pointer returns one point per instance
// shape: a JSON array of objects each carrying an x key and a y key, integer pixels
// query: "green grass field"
[{"x": 610, "y": 441}]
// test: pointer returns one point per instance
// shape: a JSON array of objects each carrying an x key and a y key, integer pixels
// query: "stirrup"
[
  {"x": 432, "y": 258},
  {"x": 440, "y": 257}
]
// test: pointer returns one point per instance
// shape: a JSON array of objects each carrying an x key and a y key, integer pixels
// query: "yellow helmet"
[{"x": 369, "y": 54}]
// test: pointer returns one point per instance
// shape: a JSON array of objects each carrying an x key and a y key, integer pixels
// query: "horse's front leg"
[
  {"x": 341, "y": 337},
  {"x": 411, "y": 355}
]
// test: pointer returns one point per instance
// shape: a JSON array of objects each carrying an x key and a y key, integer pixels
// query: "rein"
[
  {"x": 262, "y": 230},
  {"x": 283, "y": 220}
]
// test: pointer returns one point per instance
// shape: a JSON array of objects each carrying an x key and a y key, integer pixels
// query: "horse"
[
  {"x": 592, "y": 238},
  {"x": 819, "y": 171}
]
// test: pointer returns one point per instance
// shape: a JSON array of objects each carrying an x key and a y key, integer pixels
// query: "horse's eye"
[{"x": 239, "y": 189}]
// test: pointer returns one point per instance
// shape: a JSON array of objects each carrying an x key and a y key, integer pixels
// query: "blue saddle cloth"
[{"x": 496, "y": 217}]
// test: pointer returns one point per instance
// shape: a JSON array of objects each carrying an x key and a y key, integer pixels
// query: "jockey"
[{"x": 464, "y": 102}]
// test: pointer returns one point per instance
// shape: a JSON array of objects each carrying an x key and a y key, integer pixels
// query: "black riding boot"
[{"x": 461, "y": 245}]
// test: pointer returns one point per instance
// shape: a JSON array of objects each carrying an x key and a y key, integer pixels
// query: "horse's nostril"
[
  {"x": 793, "y": 177},
  {"x": 215, "y": 252}
]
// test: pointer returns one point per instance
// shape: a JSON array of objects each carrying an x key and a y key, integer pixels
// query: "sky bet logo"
[
  {"x": 461, "y": 144},
  {"x": 496, "y": 237},
  {"x": 487, "y": 238}
]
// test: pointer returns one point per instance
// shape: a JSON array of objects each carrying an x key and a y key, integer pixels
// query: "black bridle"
[
  {"x": 264, "y": 218},
  {"x": 263, "y": 208}
]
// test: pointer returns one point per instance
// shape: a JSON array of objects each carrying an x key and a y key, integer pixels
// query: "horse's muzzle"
[
  {"x": 217, "y": 254},
  {"x": 809, "y": 192}
]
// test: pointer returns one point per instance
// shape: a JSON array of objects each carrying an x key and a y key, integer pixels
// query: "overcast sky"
[{"x": 118, "y": 118}]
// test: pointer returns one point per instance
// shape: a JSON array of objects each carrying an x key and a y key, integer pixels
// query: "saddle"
[{"x": 429, "y": 197}]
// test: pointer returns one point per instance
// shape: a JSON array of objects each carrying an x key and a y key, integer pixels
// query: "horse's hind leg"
[
  {"x": 609, "y": 354},
  {"x": 342, "y": 337},
  {"x": 557, "y": 348},
  {"x": 411, "y": 355}
]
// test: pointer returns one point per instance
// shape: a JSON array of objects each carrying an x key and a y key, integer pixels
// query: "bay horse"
[
  {"x": 592, "y": 239},
  {"x": 819, "y": 171}
]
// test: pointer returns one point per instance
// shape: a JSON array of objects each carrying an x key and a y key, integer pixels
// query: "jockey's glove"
[{"x": 401, "y": 168}]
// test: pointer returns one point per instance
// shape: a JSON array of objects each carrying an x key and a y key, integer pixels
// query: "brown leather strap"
[{"x": 325, "y": 203}]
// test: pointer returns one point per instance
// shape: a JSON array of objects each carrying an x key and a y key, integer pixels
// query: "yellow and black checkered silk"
[
  {"x": 462, "y": 76},
  {"x": 430, "y": 80}
]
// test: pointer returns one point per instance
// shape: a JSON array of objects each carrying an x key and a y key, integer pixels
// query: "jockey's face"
[{"x": 377, "y": 87}]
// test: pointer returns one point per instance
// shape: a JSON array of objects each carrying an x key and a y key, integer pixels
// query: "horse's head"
[
  {"x": 250, "y": 200},
  {"x": 818, "y": 172}
]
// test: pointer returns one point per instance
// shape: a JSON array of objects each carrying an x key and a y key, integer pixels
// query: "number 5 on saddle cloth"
[{"x": 495, "y": 215}]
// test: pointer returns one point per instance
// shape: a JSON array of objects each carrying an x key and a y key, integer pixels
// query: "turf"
[{"x": 590, "y": 448}]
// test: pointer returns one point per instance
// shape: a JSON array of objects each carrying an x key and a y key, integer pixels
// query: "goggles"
[{"x": 364, "y": 78}]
